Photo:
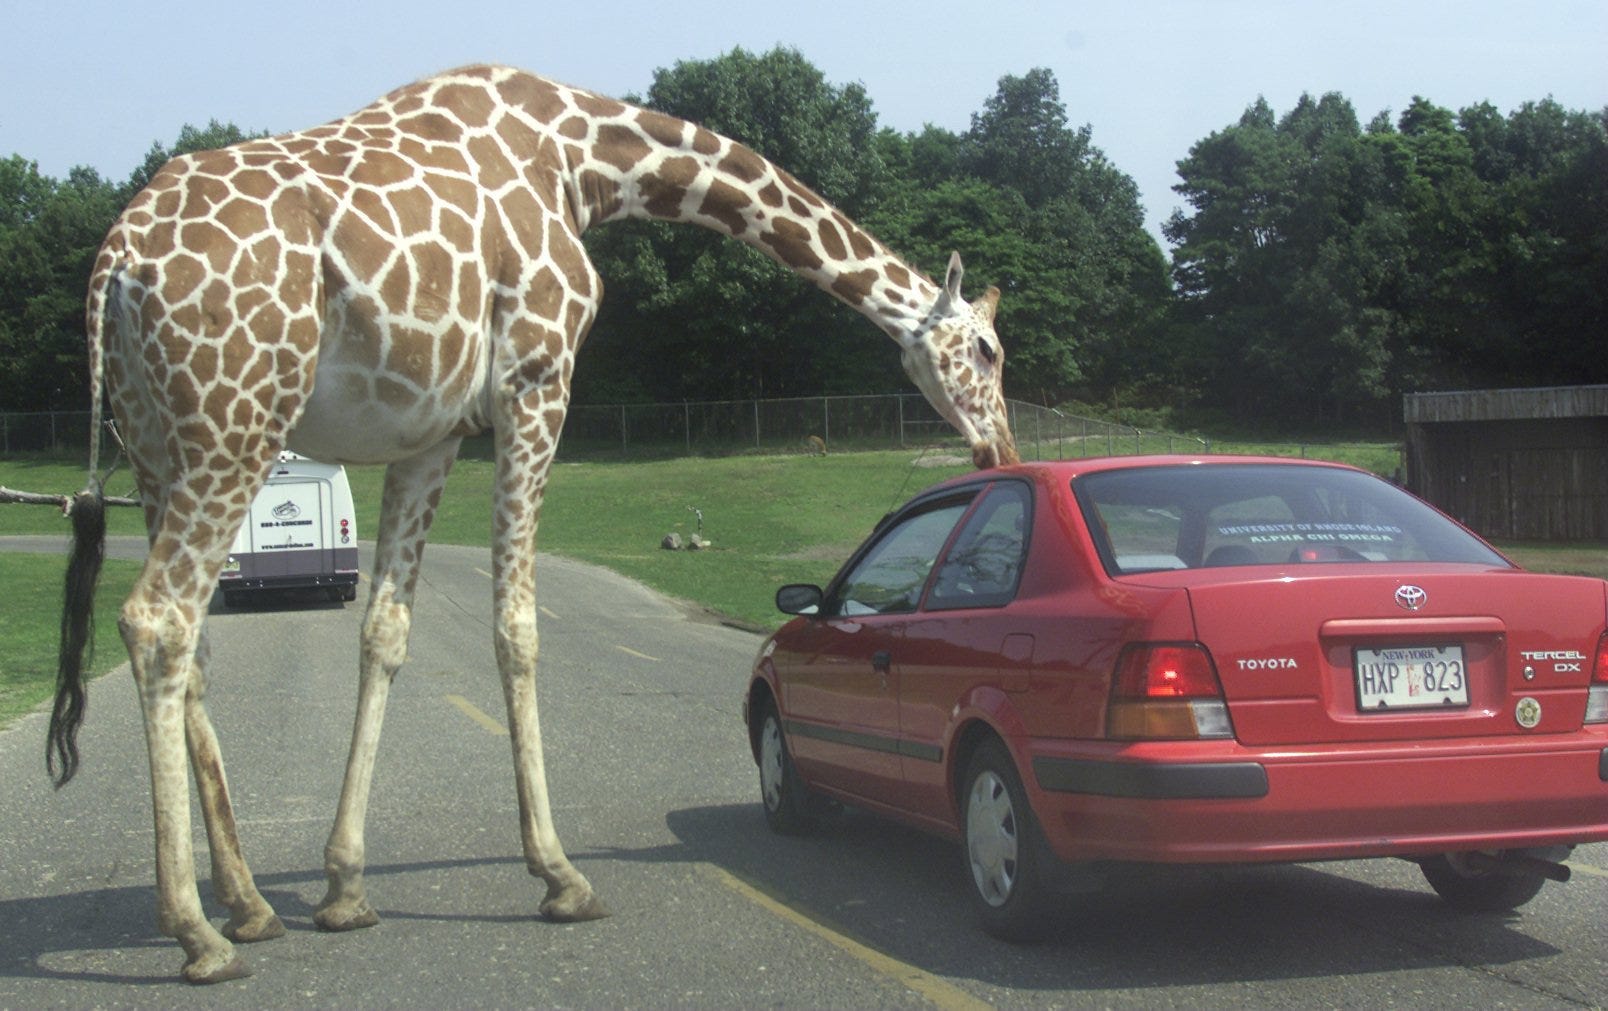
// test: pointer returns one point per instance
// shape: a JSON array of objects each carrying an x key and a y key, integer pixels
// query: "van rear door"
[{"x": 287, "y": 531}]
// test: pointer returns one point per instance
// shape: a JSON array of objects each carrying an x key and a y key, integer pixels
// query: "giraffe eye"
[{"x": 987, "y": 350}]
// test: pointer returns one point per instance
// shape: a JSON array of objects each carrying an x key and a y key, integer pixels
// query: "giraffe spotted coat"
[{"x": 371, "y": 291}]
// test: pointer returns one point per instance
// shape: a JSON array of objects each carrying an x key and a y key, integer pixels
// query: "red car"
[{"x": 1191, "y": 660}]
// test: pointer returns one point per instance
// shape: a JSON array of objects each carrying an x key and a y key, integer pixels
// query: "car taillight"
[
  {"x": 1166, "y": 691},
  {"x": 1597, "y": 696}
]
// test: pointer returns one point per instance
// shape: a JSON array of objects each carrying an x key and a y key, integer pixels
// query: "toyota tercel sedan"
[{"x": 1184, "y": 661}]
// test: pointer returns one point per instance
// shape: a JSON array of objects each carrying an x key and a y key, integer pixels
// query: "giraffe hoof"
[
  {"x": 345, "y": 916},
  {"x": 254, "y": 928},
  {"x": 589, "y": 907},
  {"x": 216, "y": 969}
]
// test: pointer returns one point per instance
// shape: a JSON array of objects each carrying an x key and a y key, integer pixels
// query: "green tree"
[
  {"x": 1085, "y": 284},
  {"x": 1545, "y": 229},
  {"x": 1281, "y": 264},
  {"x": 1324, "y": 270},
  {"x": 49, "y": 233}
]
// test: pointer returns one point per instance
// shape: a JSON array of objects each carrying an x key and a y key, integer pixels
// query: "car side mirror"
[{"x": 799, "y": 598}]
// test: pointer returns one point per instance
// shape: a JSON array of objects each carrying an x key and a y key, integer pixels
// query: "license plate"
[{"x": 1410, "y": 677}]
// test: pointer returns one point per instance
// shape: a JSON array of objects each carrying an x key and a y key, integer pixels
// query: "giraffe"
[{"x": 371, "y": 291}]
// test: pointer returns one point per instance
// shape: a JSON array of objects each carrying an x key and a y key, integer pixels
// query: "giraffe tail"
[{"x": 87, "y": 511}]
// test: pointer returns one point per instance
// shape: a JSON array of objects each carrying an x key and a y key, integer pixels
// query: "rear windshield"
[{"x": 1213, "y": 515}]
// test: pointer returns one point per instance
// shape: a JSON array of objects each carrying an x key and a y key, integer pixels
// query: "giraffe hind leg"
[
  {"x": 161, "y": 625},
  {"x": 251, "y": 918}
]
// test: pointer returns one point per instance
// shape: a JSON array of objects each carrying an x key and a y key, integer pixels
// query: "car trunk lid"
[{"x": 1451, "y": 651}]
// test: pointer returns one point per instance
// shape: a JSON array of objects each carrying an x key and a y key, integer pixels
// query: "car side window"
[
  {"x": 889, "y": 578},
  {"x": 985, "y": 563},
  {"x": 1143, "y": 537}
]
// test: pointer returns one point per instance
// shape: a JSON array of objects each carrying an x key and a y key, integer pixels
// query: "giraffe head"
[{"x": 955, "y": 359}]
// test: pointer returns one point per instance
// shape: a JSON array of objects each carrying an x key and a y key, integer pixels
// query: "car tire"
[
  {"x": 1006, "y": 857},
  {"x": 789, "y": 808},
  {"x": 1481, "y": 891}
]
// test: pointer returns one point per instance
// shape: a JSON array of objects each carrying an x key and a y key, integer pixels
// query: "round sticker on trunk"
[{"x": 1527, "y": 712}]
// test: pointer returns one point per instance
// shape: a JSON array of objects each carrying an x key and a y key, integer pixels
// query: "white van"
[{"x": 301, "y": 532}]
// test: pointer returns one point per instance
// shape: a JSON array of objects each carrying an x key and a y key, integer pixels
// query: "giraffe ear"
[
  {"x": 952, "y": 277},
  {"x": 986, "y": 306}
]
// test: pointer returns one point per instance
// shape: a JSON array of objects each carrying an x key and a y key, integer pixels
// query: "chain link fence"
[
  {"x": 837, "y": 424},
  {"x": 43, "y": 432},
  {"x": 721, "y": 427}
]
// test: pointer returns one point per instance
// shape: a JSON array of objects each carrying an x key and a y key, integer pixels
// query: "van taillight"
[
  {"x": 1597, "y": 696},
  {"x": 1166, "y": 691}
]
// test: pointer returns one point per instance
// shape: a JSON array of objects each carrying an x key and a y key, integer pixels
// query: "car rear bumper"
[
  {"x": 311, "y": 580},
  {"x": 1196, "y": 802}
]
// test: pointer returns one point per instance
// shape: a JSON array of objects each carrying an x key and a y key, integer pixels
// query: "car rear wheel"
[
  {"x": 1005, "y": 855},
  {"x": 789, "y": 808},
  {"x": 1485, "y": 891}
]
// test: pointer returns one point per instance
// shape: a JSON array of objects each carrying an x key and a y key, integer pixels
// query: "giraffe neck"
[{"x": 643, "y": 164}]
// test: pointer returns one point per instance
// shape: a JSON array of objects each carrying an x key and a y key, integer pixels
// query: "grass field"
[
  {"x": 30, "y": 621},
  {"x": 770, "y": 520}
]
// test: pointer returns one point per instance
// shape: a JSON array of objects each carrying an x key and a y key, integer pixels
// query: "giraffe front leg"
[
  {"x": 521, "y": 475},
  {"x": 412, "y": 491},
  {"x": 570, "y": 897},
  {"x": 384, "y": 647}
]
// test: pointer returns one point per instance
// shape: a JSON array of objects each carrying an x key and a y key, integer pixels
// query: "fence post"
[
  {"x": 756, "y": 424},
  {"x": 899, "y": 399},
  {"x": 625, "y": 445},
  {"x": 826, "y": 422},
  {"x": 686, "y": 424}
]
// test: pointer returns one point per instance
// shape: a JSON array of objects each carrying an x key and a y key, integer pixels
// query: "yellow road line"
[
  {"x": 628, "y": 649},
  {"x": 473, "y": 711},
  {"x": 1579, "y": 868},
  {"x": 940, "y": 992}
]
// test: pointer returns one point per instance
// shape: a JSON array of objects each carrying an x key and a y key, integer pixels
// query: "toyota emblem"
[{"x": 1411, "y": 597}]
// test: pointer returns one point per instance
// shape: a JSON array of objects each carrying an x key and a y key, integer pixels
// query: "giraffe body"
[{"x": 371, "y": 291}]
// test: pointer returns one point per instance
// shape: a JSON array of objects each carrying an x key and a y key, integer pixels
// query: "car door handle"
[{"x": 881, "y": 660}]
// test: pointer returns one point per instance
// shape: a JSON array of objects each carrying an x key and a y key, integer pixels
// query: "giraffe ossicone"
[{"x": 371, "y": 291}]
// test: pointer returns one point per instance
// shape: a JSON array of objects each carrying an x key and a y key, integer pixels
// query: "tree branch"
[{"x": 59, "y": 501}]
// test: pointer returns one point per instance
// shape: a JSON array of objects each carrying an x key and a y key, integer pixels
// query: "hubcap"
[
  {"x": 991, "y": 838},
  {"x": 770, "y": 763}
]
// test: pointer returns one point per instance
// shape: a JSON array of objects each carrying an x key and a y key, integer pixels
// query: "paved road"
[{"x": 655, "y": 799}]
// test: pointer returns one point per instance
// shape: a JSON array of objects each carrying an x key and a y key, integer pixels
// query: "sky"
[{"x": 90, "y": 82}]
